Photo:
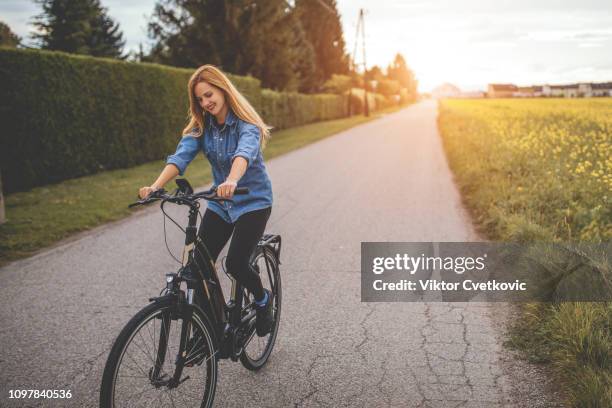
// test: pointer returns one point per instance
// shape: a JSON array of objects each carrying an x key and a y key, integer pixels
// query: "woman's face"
[{"x": 210, "y": 98}]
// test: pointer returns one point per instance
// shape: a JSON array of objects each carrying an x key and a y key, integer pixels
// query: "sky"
[{"x": 468, "y": 43}]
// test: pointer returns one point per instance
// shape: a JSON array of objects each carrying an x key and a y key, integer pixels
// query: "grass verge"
[
  {"x": 540, "y": 170},
  {"x": 44, "y": 215}
]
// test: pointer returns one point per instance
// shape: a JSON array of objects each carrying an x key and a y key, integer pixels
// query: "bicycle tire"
[
  {"x": 129, "y": 332},
  {"x": 247, "y": 361}
]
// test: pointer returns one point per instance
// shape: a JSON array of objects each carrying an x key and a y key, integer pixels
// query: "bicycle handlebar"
[{"x": 178, "y": 198}]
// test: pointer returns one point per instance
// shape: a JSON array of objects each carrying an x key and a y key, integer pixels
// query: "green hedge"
[
  {"x": 376, "y": 101},
  {"x": 286, "y": 109},
  {"x": 64, "y": 116}
]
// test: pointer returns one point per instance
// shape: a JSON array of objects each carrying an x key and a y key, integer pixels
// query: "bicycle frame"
[
  {"x": 199, "y": 271},
  {"x": 200, "y": 274}
]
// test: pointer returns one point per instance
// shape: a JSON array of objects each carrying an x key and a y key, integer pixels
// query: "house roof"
[
  {"x": 602, "y": 85},
  {"x": 503, "y": 87}
]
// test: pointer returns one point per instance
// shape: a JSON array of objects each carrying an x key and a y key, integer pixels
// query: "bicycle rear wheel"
[
  {"x": 141, "y": 365},
  {"x": 257, "y": 349}
]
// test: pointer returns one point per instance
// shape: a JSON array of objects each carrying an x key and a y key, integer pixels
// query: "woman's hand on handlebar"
[
  {"x": 144, "y": 192},
  {"x": 227, "y": 189}
]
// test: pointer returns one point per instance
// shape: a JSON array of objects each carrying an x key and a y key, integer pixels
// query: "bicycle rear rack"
[{"x": 272, "y": 241}]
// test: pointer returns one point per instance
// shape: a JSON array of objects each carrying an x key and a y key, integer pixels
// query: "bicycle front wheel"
[{"x": 142, "y": 365}]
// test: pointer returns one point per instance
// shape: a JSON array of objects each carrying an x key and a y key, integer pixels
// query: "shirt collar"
[{"x": 230, "y": 119}]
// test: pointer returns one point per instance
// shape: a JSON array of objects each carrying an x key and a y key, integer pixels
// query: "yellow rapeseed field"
[
  {"x": 534, "y": 168},
  {"x": 541, "y": 169}
]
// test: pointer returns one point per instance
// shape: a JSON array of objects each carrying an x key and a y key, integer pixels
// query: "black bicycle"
[{"x": 167, "y": 354}]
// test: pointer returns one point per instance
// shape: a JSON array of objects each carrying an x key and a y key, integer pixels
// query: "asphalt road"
[{"x": 386, "y": 180}]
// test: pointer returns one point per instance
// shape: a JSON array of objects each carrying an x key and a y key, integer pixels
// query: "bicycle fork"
[{"x": 182, "y": 357}]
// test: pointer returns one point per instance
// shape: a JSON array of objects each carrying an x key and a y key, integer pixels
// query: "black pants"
[{"x": 247, "y": 230}]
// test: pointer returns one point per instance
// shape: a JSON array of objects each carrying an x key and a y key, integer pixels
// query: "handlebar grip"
[
  {"x": 157, "y": 194},
  {"x": 241, "y": 190}
]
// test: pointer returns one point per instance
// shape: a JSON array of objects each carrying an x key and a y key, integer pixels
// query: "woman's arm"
[
  {"x": 176, "y": 164},
  {"x": 245, "y": 154},
  {"x": 168, "y": 173},
  {"x": 239, "y": 166}
]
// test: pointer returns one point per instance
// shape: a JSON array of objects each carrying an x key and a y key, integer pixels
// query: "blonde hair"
[{"x": 238, "y": 103}]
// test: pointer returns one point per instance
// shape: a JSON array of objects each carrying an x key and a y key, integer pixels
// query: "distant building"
[
  {"x": 525, "y": 92},
  {"x": 601, "y": 89},
  {"x": 570, "y": 91},
  {"x": 538, "y": 91},
  {"x": 446, "y": 90},
  {"x": 582, "y": 90},
  {"x": 555, "y": 91},
  {"x": 585, "y": 90},
  {"x": 501, "y": 90}
]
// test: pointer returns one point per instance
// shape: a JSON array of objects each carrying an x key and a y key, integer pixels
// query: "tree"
[
  {"x": 189, "y": 32},
  {"x": 78, "y": 26},
  {"x": 372, "y": 77},
  {"x": 274, "y": 47},
  {"x": 388, "y": 87},
  {"x": 321, "y": 22},
  {"x": 374, "y": 74},
  {"x": 338, "y": 84},
  {"x": 263, "y": 38},
  {"x": 303, "y": 56},
  {"x": 7, "y": 37},
  {"x": 400, "y": 72}
]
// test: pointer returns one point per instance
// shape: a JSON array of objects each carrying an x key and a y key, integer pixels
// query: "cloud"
[{"x": 568, "y": 35}]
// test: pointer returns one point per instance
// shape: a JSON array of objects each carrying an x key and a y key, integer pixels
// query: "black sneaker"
[{"x": 264, "y": 320}]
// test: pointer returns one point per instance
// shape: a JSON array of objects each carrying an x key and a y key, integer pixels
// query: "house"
[
  {"x": 555, "y": 91},
  {"x": 585, "y": 90},
  {"x": 579, "y": 90},
  {"x": 601, "y": 89},
  {"x": 538, "y": 91},
  {"x": 501, "y": 90},
  {"x": 570, "y": 91},
  {"x": 446, "y": 90},
  {"x": 525, "y": 92}
]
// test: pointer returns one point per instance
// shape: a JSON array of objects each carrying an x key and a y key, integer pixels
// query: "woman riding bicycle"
[{"x": 224, "y": 125}]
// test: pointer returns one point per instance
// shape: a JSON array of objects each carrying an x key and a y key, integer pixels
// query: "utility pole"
[{"x": 360, "y": 29}]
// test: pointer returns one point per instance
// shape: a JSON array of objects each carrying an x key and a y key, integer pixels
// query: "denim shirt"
[{"x": 221, "y": 144}]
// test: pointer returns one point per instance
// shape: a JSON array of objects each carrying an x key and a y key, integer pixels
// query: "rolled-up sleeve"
[
  {"x": 248, "y": 142},
  {"x": 185, "y": 152}
]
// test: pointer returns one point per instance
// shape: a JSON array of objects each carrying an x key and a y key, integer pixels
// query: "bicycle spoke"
[
  {"x": 137, "y": 366},
  {"x": 148, "y": 354}
]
